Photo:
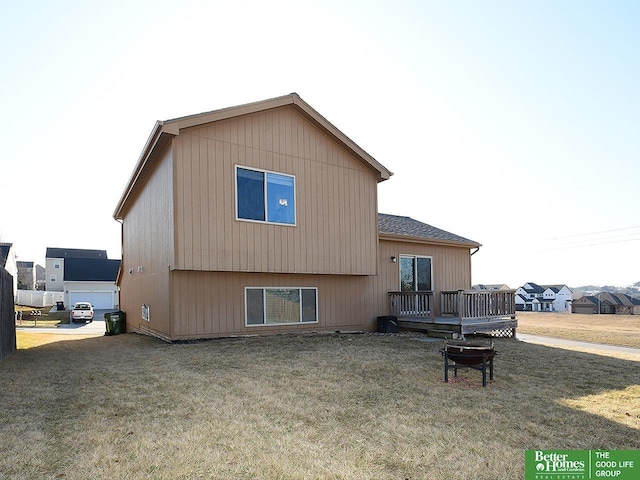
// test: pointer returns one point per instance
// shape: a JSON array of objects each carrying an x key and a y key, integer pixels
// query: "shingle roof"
[
  {"x": 74, "y": 253},
  {"x": 624, "y": 299},
  {"x": 410, "y": 228},
  {"x": 90, "y": 270},
  {"x": 535, "y": 288}
]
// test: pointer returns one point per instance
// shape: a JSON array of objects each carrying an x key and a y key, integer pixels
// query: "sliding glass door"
[
  {"x": 415, "y": 276},
  {"x": 415, "y": 273}
]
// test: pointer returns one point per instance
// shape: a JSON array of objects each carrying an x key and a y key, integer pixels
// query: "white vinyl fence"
[{"x": 38, "y": 298}]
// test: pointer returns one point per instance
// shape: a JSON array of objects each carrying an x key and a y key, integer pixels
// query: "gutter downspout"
[{"x": 477, "y": 250}]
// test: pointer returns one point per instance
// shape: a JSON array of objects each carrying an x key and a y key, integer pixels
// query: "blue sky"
[{"x": 515, "y": 124}]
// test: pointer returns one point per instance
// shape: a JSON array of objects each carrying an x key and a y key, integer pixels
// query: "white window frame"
[
  {"x": 264, "y": 306},
  {"x": 53, "y": 278},
  {"x": 56, "y": 264},
  {"x": 266, "y": 213}
]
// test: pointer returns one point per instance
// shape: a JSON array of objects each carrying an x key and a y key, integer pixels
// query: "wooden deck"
[{"x": 463, "y": 312}]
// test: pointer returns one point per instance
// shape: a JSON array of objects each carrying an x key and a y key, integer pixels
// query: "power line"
[
  {"x": 584, "y": 234},
  {"x": 577, "y": 241},
  {"x": 581, "y": 245}
]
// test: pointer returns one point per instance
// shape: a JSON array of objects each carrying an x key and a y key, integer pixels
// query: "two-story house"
[
  {"x": 544, "y": 298},
  {"x": 262, "y": 218}
]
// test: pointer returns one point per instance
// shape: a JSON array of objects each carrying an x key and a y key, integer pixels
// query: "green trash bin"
[{"x": 114, "y": 322}]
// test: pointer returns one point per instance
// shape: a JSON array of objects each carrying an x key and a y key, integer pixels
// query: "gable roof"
[
  {"x": 624, "y": 299},
  {"x": 90, "y": 270},
  {"x": 394, "y": 227},
  {"x": 587, "y": 299},
  {"x": 74, "y": 253},
  {"x": 534, "y": 288},
  {"x": 610, "y": 299},
  {"x": 164, "y": 131}
]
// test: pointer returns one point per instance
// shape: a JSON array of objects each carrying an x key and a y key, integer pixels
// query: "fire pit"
[{"x": 468, "y": 354}]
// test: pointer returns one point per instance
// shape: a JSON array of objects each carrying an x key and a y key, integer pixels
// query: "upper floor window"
[
  {"x": 264, "y": 196},
  {"x": 56, "y": 264}
]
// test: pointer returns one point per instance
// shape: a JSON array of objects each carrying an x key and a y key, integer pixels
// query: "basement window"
[{"x": 280, "y": 306}]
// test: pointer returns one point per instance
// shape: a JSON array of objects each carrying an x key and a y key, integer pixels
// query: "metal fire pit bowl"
[{"x": 468, "y": 354}]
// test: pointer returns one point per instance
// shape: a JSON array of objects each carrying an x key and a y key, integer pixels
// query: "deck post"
[{"x": 460, "y": 306}]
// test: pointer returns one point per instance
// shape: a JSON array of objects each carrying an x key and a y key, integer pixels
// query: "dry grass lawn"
[
  {"x": 621, "y": 330},
  {"x": 49, "y": 318},
  {"x": 292, "y": 407}
]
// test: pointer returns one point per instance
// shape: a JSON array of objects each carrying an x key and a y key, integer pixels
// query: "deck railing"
[
  {"x": 412, "y": 304},
  {"x": 478, "y": 304},
  {"x": 462, "y": 304}
]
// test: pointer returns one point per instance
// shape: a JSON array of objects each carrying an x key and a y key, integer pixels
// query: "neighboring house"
[
  {"x": 526, "y": 294},
  {"x": 9, "y": 261},
  {"x": 532, "y": 297},
  {"x": 54, "y": 266},
  {"x": 41, "y": 277},
  {"x": 26, "y": 276},
  {"x": 83, "y": 275},
  {"x": 559, "y": 296},
  {"x": 262, "y": 219},
  {"x": 607, "y": 303}
]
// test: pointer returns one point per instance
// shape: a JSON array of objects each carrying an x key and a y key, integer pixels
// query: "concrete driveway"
[{"x": 97, "y": 327}]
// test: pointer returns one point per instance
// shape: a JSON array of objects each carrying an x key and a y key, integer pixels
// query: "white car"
[{"x": 82, "y": 311}]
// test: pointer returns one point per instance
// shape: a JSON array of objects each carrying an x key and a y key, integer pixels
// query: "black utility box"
[{"x": 388, "y": 324}]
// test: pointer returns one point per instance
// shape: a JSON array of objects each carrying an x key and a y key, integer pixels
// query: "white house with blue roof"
[
  {"x": 84, "y": 276},
  {"x": 532, "y": 297}
]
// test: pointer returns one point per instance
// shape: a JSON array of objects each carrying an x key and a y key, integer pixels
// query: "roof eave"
[
  {"x": 382, "y": 172},
  {"x": 160, "y": 134},
  {"x": 301, "y": 106},
  {"x": 430, "y": 241},
  {"x": 170, "y": 128}
]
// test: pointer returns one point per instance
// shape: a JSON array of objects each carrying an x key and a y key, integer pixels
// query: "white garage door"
[{"x": 99, "y": 300}]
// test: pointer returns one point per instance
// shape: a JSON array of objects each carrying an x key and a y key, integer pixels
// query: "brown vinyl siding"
[
  {"x": 147, "y": 233},
  {"x": 451, "y": 269},
  {"x": 336, "y": 222},
  {"x": 212, "y": 304}
]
